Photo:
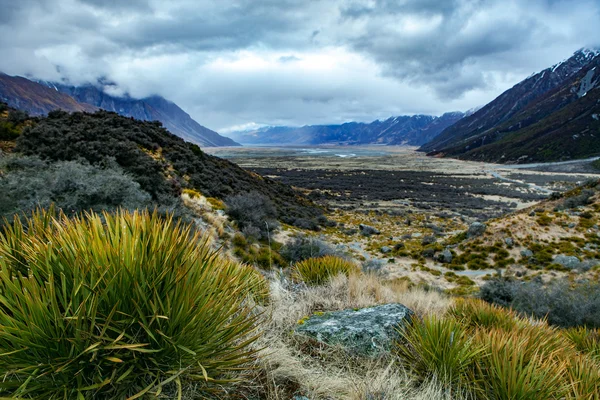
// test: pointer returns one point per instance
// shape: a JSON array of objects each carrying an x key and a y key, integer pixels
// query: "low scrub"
[
  {"x": 319, "y": 270},
  {"x": 116, "y": 306},
  {"x": 560, "y": 302}
]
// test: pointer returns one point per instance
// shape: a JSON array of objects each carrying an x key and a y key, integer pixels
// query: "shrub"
[
  {"x": 440, "y": 349},
  {"x": 317, "y": 271},
  {"x": 499, "y": 291},
  {"x": 29, "y": 182},
  {"x": 561, "y": 303},
  {"x": 301, "y": 247},
  {"x": 254, "y": 213},
  {"x": 111, "y": 306}
]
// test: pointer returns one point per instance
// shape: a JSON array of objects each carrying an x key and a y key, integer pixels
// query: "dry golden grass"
[{"x": 288, "y": 365}]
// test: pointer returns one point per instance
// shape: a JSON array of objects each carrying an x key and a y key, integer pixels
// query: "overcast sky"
[{"x": 282, "y": 62}]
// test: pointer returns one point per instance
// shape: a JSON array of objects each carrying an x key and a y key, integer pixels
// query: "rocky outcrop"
[{"x": 366, "y": 331}]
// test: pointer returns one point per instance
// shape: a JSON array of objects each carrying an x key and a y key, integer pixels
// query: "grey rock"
[
  {"x": 428, "y": 240},
  {"x": 368, "y": 331},
  {"x": 428, "y": 253},
  {"x": 476, "y": 229},
  {"x": 509, "y": 241},
  {"x": 572, "y": 225},
  {"x": 527, "y": 253},
  {"x": 385, "y": 249},
  {"x": 570, "y": 262},
  {"x": 416, "y": 235},
  {"x": 368, "y": 230},
  {"x": 586, "y": 265},
  {"x": 300, "y": 398},
  {"x": 445, "y": 257}
]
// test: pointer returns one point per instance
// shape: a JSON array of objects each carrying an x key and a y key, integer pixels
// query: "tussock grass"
[
  {"x": 318, "y": 270},
  {"x": 119, "y": 305}
]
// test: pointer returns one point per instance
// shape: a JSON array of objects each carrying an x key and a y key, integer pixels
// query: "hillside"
[
  {"x": 39, "y": 98},
  {"x": 549, "y": 111},
  {"x": 403, "y": 130},
  {"x": 160, "y": 163}
]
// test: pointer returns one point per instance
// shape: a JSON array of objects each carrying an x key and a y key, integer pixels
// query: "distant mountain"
[
  {"x": 550, "y": 116},
  {"x": 154, "y": 108},
  {"x": 404, "y": 130},
  {"x": 36, "y": 99},
  {"x": 39, "y": 98}
]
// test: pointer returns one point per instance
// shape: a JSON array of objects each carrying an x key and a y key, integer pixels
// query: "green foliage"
[
  {"x": 524, "y": 364},
  {"x": 586, "y": 340},
  {"x": 440, "y": 349},
  {"x": 317, "y": 271},
  {"x": 478, "y": 314},
  {"x": 112, "y": 306}
]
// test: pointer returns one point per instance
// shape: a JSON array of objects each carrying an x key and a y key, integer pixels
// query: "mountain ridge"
[
  {"x": 40, "y": 97},
  {"x": 522, "y": 115},
  {"x": 400, "y": 130}
]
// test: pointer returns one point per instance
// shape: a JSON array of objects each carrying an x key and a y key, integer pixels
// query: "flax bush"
[{"x": 119, "y": 305}]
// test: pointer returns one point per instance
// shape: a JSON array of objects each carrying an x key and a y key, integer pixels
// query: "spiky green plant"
[
  {"x": 584, "y": 378},
  {"x": 477, "y": 313},
  {"x": 440, "y": 349},
  {"x": 319, "y": 270},
  {"x": 526, "y": 364},
  {"x": 586, "y": 340},
  {"x": 118, "y": 305}
]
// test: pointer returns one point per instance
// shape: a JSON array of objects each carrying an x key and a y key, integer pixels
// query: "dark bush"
[
  {"x": 254, "y": 213},
  {"x": 499, "y": 291},
  {"x": 563, "y": 304},
  {"x": 302, "y": 247},
  {"x": 72, "y": 186}
]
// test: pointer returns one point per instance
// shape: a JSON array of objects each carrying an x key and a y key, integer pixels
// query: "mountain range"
[
  {"x": 40, "y": 97},
  {"x": 412, "y": 130},
  {"x": 553, "y": 115}
]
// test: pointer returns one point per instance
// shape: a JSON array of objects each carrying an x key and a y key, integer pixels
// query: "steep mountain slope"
[
  {"x": 36, "y": 99},
  {"x": 527, "y": 103},
  {"x": 154, "y": 108},
  {"x": 39, "y": 98},
  {"x": 408, "y": 130}
]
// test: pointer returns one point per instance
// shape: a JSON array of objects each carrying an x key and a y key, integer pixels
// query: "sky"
[{"x": 237, "y": 64}]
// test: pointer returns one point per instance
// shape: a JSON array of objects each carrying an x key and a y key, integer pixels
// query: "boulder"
[
  {"x": 428, "y": 240},
  {"x": 385, "y": 249},
  {"x": 570, "y": 262},
  {"x": 476, "y": 229},
  {"x": 368, "y": 230},
  {"x": 445, "y": 257},
  {"x": 526, "y": 253},
  {"x": 368, "y": 331},
  {"x": 509, "y": 241}
]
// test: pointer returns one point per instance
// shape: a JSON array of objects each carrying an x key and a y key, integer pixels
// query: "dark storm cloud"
[{"x": 239, "y": 61}]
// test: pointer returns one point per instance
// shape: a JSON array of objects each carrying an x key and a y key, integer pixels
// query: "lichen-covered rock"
[
  {"x": 570, "y": 262},
  {"x": 367, "y": 331},
  {"x": 476, "y": 229}
]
